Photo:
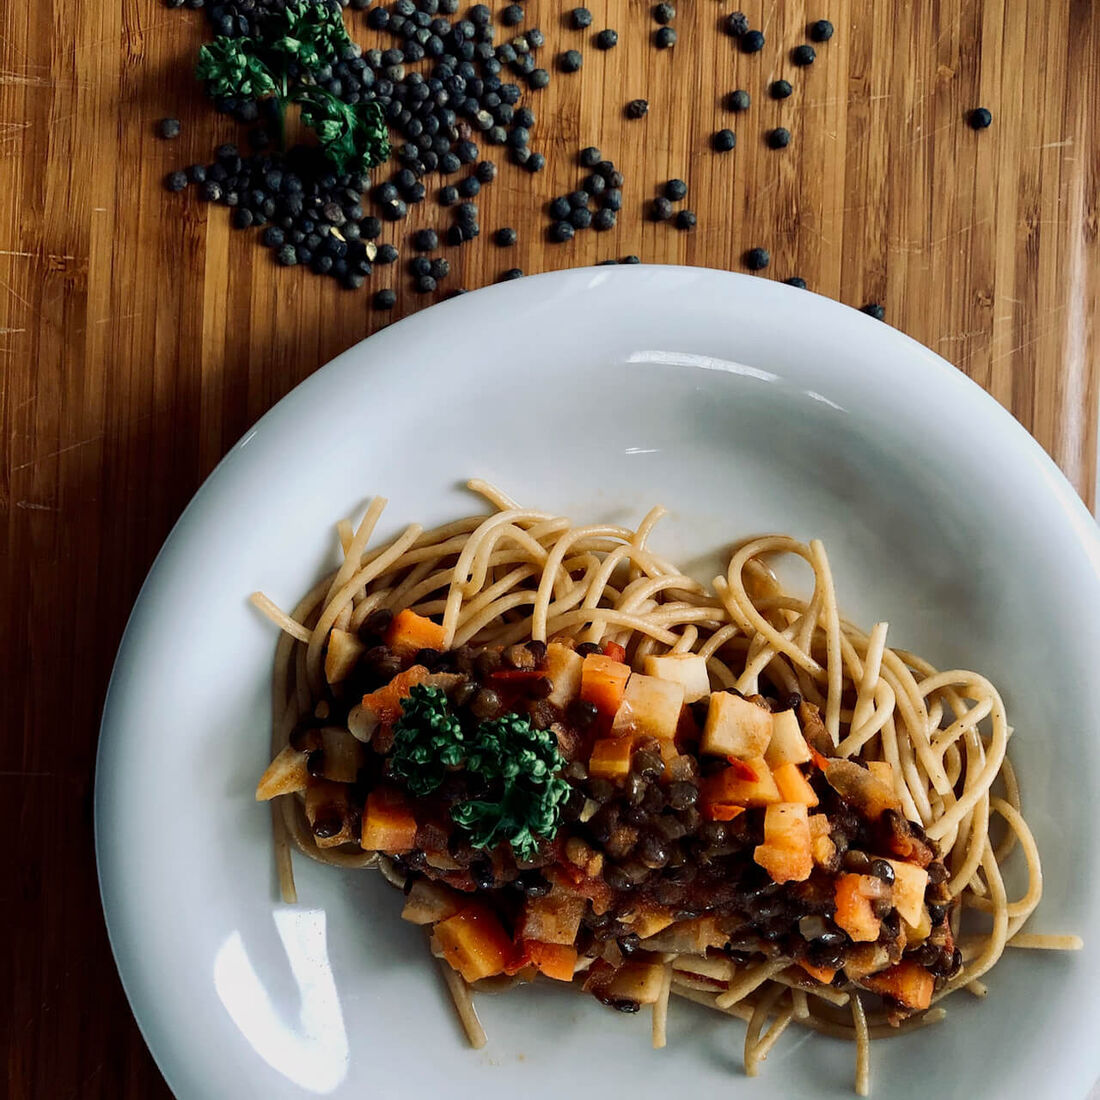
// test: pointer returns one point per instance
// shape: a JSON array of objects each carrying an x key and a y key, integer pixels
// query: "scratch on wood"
[
  {"x": 25, "y": 80},
  {"x": 54, "y": 454},
  {"x": 30, "y": 506}
]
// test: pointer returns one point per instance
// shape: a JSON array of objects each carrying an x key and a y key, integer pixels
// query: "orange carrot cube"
[
  {"x": 409, "y": 632},
  {"x": 388, "y": 823},
  {"x": 474, "y": 943}
]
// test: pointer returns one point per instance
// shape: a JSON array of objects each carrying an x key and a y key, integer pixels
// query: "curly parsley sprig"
[
  {"x": 515, "y": 766},
  {"x": 282, "y": 62}
]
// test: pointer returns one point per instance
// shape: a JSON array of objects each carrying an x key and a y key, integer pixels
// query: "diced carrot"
[
  {"x": 555, "y": 960},
  {"x": 742, "y": 770},
  {"x": 786, "y": 853},
  {"x": 474, "y": 943},
  {"x": 718, "y": 812},
  {"x": 517, "y": 675},
  {"x": 853, "y": 910},
  {"x": 603, "y": 682},
  {"x": 388, "y": 822},
  {"x": 908, "y": 983},
  {"x": 731, "y": 787},
  {"x": 793, "y": 785},
  {"x": 581, "y": 885},
  {"x": 409, "y": 632},
  {"x": 615, "y": 651},
  {"x": 385, "y": 703},
  {"x": 824, "y": 974},
  {"x": 819, "y": 761},
  {"x": 520, "y": 960},
  {"x": 611, "y": 758}
]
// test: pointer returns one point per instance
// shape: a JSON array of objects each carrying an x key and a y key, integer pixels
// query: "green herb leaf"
[
  {"x": 232, "y": 67},
  {"x": 353, "y": 138}
]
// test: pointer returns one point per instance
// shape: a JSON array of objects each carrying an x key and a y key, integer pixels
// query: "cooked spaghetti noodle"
[{"x": 935, "y": 740}]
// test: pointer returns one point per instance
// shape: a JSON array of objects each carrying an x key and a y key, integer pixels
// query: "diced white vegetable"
[
  {"x": 563, "y": 667},
  {"x": 430, "y": 902},
  {"x": 787, "y": 746},
  {"x": 284, "y": 775},
  {"x": 639, "y": 982},
  {"x": 342, "y": 755},
  {"x": 910, "y": 883},
  {"x": 688, "y": 669},
  {"x": 344, "y": 651},
  {"x": 736, "y": 727},
  {"x": 650, "y": 708}
]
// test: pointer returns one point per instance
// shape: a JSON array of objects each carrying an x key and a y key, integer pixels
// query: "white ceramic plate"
[{"x": 744, "y": 406}]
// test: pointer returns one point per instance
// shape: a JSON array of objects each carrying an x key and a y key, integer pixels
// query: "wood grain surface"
[{"x": 140, "y": 336}]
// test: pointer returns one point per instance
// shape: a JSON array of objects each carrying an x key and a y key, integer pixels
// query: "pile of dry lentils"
[{"x": 455, "y": 91}]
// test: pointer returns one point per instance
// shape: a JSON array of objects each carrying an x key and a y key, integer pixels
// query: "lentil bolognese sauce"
[{"x": 581, "y": 765}]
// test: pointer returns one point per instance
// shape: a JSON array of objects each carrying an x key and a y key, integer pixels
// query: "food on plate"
[{"x": 583, "y": 766}]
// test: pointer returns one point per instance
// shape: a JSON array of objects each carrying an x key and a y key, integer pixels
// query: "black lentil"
[
  {"x": 470, "y": 187},
  {"x": 538, "y": 79},
  {"x": 440, "y": 268},
  {"x": 448, "y": 195},
  {"x": 739, "y": 100},
  {"x": 723, "y": 141},
  {"x": 559, "y": 208},
  {"x": 637, "y": 108},
  {"x": 420, "y": 265},
  {"x": 873, "y": 309},
  {"x": 168, "y": 128},
  {"x": 512, "y": 15},
  {"x": 665, "y": 38},
  {"x": 664, "y": 13},
  {"x": 660, "y": 209},
  {"x": 561, "y": 232},
  {"x": 796, "y": 281},
  {"x": 536, "y": 162},
  {"x": 580, "y": 18},
  {"x": 756, "y": 259},
  {"x": 425, "y": 240},
  {"x": 424, "y": 284},
  {"x": 686, "y": 219},
  {"x": 803, "y": 55},
  {"x": 512, "y": 273},
  {"x": 979, "y": 118},
  {"x": 821, "y": 30},
  {"x": 177, "y": 181},
  {"x": 779, "y": 89},
  {"x": 676, "y": 190},
  {"x": 612, "y": 199},
  {"x": 630, "y": 260},
  {"x": 590, "y": 157},
  {"x": 570, "y": 61},
  {"x": 779, "y": 138},
  {"x": 387, "y": 254},
  {"x": 736, "y": 24},
  {"x": 606, "y": 39},
  {"x": 505, "y": 237},
  {"x": 752, "y": 41},
  {"x": 580, "y": 219}
]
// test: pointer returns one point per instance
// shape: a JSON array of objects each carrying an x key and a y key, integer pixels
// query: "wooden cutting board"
[{"x": 140, "y": 336}]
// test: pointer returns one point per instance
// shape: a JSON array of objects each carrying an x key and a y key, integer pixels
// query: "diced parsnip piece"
[
  {"x": 793, "y": 785},
  {"x": 284, "y": 775},
  {"x": 687, "y": 669},
  {"x": 388, "y": 822},
  {"x": 688, "y": 937},
  {"x": 639, "y": 982},
  {"x": 650, "y": 708},
  {"x": 611, "y": 758},
  {"x": 344, "y": 651},
  {"x": 744, "y": 783},
  {"x": 821, "y": 843},
  {"x": 882, "y": 770},
  {"x": 910, "y": 883},
  {"x": 430, "y": 902},
  {"x": 552, "y": 919},
  {"x": 867, "y": 958},
  {"x": 919, "y": 932},
  {"x": 342, "y": 755},
  {"x": 853, "y": 909},
  {"x": 554, "y": 960},
  {"x": 362, "y": 722},
  {"x": 785, "y": 853},
  {"x": 787, "y": 745},
  {"x": 735, "y": 727},
  {"x": 409, "y": 632},
  {"x": 603, "y": 682},
  {"x": 647, "y": 920},
  {"x": 474, "y": 943},
  {"x": 908, "y": 983},
  {"x": 858, "y": 787},
  {"x": 563, "y": 668},
  {"x": 328, "y": 811}
]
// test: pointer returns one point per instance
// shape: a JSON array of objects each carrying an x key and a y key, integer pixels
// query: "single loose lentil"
[
  {"x": 980, "y": 118},
  {"x": 796, "y": 281},
  {"x": 664, "y": 13},
  {"x": 425, "y": 240},
  {"x": 580, "y": 18},
  {"x": 561, "y": 231},
  {"x": 606, "y": 39},
  {"x": 580, "y": 218},
  {"x": 660, "y": 210},
  {"x": 821, "y": 30},
  {"x": 779, "y": 89},
  {"x": 536, "y": 162},
  {"x": 512, "y": 15},
  {"x": 630, "y": 260},
  {"x": 168, "y": 128},
  {"x": 739, "y": 100},
  {"x": 686, "y": 219},
  {"x": 538, "y": 79},
  {"x": 387, "y": 254},
  {"x": 440, "y": 268},
  {"x": 676, "y": 190},
  {"x": 512, "y": 273},
  {"x": 665, "y": 38},
  {"x": 736, "y": 24},
  {"x": 803, "y": 55},
  {"x": 590, "y": 157},
  {"x": 177, "y": 181},
  {"x": 752, "y": 41},
  {"x": 604, "y": 219},
  {"x": 385, "y": 299},
  {"x": 424, "y": 284},
  {"x": 506, "y": 236},
  {"x": 570, "y": 61},
  {"x": 873, "y": 309},
  {"x": 637, "y": 108},
  {"x": 779, "y": 138},
  {"x": 756, "y": 259},
  {"x": 723, "y": 141}
]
